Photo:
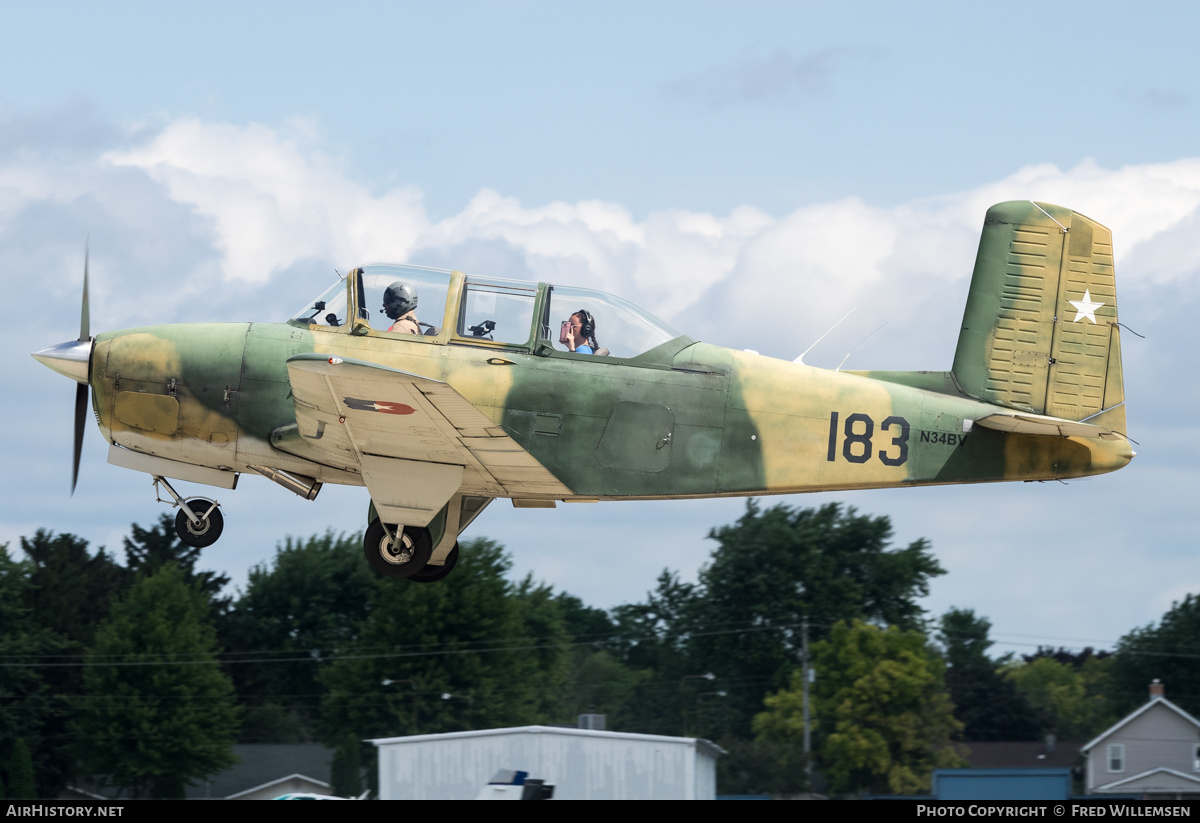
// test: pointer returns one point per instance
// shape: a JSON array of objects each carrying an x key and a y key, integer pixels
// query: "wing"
[{"x": 416, "y": 440}]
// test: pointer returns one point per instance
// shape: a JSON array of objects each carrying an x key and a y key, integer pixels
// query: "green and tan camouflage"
[{"x": 436, "y": 425}]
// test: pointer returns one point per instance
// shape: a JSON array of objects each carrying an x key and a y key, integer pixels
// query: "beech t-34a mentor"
[{"x": 441, "y": 391}]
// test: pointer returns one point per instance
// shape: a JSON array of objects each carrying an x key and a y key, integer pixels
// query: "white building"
[{"x": 580, "y": 764}]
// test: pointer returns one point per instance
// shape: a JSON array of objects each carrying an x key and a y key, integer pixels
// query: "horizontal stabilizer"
[{"x": 1040, "y": 424}]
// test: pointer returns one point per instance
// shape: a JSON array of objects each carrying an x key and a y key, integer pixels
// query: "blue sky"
[{"x": 747, "y": 171}]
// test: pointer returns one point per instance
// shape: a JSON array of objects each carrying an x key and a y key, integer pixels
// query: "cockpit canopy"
[{"x": 451, "y": 306}]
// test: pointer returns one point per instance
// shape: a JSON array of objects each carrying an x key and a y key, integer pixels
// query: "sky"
[{"x": 749, "y": 172}]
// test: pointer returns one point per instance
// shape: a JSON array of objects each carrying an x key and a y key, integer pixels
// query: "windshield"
[
  {"x": 592, "y": 322},
  {"x": 327, "y": 310}
]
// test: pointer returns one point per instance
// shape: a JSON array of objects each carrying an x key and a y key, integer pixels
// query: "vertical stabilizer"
[{"x": 1040, "y": 329}]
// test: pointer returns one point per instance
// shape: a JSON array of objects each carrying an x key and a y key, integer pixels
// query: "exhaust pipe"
[{"x": 306, "y": 487}]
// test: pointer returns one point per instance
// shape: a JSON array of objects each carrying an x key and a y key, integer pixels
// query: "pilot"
[
  {"x": 400, "y": 304},
  {"x": 579, "y": 334}
]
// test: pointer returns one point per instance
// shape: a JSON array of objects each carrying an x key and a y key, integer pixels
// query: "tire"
[
  {"x": 210, "y": 528},
  {"x": 384, "y": 558},
  {"x": 432, "y": 574}
]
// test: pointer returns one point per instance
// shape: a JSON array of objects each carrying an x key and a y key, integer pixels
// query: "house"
[{"x": 1152, "y": 753}]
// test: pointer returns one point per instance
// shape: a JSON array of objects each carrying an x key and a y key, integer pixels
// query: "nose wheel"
[
  {"x": 198, "y": 522},
  {"x": 399, "y": 551},
  {"x": 202, "y": 534}
]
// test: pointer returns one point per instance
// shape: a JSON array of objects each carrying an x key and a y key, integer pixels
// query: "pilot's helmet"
[{"x": 399, "y": 299}]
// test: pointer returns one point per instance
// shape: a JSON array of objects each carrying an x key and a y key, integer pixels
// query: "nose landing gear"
[{"x": 199, "y": 522}]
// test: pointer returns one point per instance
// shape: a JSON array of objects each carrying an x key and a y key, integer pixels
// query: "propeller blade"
[
  {"x": 81, "y": 390},
  {"x": 81, "y": 403},
  {"x": 85, "y": 314}
]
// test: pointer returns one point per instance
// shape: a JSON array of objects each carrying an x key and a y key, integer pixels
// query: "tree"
[
  {"x": 70, "y": 590},
  {"x": 303, "y": 608},
  {"x": 884, "y": 719},
  {"x": 473, "y": 651},
  {"x": 1071, "y": 699},
  {"x": 148, "y": 550},
  {"x": 20, "y": 771},
  {"x": 1168, "y": 651},
  {"x": 25, "y": 705},
  {"x": 772, "y": 569},
  {"x": 987, "y": 703},
  {"x": 156, "y": 711},
  {"x": 346, "y": 768},
  {"x": 50, "y": 605}
]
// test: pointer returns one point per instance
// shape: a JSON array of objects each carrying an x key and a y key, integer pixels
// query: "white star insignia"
[{"x": 1085, "y": 307}]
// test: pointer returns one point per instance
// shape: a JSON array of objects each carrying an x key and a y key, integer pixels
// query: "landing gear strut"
[
  {"x": 199, "y": 522},
  {"x": 397, "y": 551}
]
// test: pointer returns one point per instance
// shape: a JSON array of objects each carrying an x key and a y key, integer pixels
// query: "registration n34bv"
[{"x": 441, "y": 391}]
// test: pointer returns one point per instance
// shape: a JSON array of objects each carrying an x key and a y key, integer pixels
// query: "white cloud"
[
  {"x": 195, "y": 201},
  {"x": 273, "y": 199},
  {"x": 747, "y": 278}
]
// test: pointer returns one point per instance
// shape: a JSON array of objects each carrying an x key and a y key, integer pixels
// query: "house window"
[
  {"x": 1196, "y": 757},
  {"x": 1116, "y": 757}
]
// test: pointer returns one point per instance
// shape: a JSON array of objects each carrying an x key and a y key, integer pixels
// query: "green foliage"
[
  {"x": 761, "y": 767},
  {"x": 156, "y": 710},
  {"x": 70, "y": 590},
  {"x": 497, "y": 651},
  {"x": 742, "y": 620},
  {"x": 987, "y": 703},
  {"x": 29, "y": 710},
  {"x": 1168, "y": 651},
  {"x": 347, "y": 768},
  {"x": 19, "y": 770},
  {"x": 304, "y": 607},
  {"x": 1071, "y": 699},
  {"x": 883, "y": 719},
  {"x": 149, "y": 550}
]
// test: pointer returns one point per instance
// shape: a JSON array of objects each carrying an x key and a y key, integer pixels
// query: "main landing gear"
[
  {"x": 199, "y": 522},
  {"x": 399, "y": 551},
  {"x": 403, "y": 552},
  {"x": 420, "y": 554}
]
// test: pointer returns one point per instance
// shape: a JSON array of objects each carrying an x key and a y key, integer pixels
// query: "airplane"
[{"x": 441, "y": 391}]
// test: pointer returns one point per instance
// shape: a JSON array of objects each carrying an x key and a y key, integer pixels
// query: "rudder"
[{"x": 1040, "y": 328}]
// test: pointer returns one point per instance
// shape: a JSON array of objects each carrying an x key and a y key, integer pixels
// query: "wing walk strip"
[{"x": 417, "y": 440}]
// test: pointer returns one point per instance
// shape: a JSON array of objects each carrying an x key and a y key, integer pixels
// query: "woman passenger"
[{"x": 579, "y": 334}]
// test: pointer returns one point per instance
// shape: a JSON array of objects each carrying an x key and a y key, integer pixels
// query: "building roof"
[
  {"x": 1160, "y": 779},
  {"x": 1156, "y": 700},
  {"x": 264, "y": 763},
  {"x": 1021, "y": 754},
  {"x": 700, "y": 743}
]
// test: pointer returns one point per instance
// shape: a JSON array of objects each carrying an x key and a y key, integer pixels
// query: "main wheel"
[
  {"x": 432, "y": 574},
  {"x": 397, "y": 558},
  {"x": 211, "y": 524}
]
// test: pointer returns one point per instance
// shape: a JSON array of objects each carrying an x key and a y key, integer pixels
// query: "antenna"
[
  {"x": 856, "y": 345},
  {"x": 800, "y": 359}
]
